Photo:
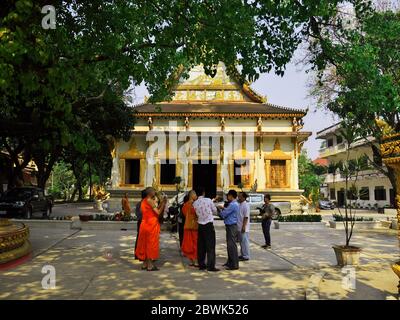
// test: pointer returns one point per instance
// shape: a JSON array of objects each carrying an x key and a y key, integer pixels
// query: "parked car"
[
  {"x": 25, "y": 202},
  {"x": 256, "y": 201},
  {"x": 326, "y": 205}
]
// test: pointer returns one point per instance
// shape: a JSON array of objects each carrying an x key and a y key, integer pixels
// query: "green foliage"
[
  {"x": 62, "y": 181},
  {"x": 300, "y": 218},
  {"x": 58, "y": 87},
  {"x": 358, "y": 73},
  {"x": 338, "y": 217},
  {"x": 310, "y": 178}
]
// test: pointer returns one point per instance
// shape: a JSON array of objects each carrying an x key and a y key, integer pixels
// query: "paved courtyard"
[{"x": 99, "y": 264}]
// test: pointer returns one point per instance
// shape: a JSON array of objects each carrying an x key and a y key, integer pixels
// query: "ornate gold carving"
[
  {"x": 277, "y": 153},
  {"x": 297, "y": 125},
  {"x": 187, "y": 123},
  {"x": 223, "y": 124},
  {"x": 259, "y": 124},
  {"x": 150, "y": 123},
  {"x": 13, "y": 241},
  {"x": 390, "y": 152}
]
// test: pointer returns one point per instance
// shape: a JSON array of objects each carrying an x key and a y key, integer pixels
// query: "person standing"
[
  {"x": 148, "y": 247},
  {"x": 126, "y": 207},
  {"x": 267, "y": 211},
  {"x": 243, "y": 225},
  {"x": 181, "y": 220},
  {"x": 138, "y": 212},
  {"x": 190, "y": 234},
  {"x": 230, "y": 215},
  {"x": 205, "y": 209}
]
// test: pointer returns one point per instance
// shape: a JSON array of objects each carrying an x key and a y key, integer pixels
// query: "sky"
[{"x": 291, "y": 90}]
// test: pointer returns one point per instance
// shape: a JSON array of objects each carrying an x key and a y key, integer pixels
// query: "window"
[
  {"x": 132, "y": 171},
  {"x": 168, "y": 173},
  {"x": 380, "y": 193},
  {"x": 241, "y": 172},
  {"x": 352, "y": 194},
  {"x": 332, "y": 194},
  {"x": 364, "y": 193},
  {"x": 330, "y": 142},
  {"x": 339, "y": 139}
]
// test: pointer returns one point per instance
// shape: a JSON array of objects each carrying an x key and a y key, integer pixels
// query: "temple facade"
[{"x": 216, "y": 133}]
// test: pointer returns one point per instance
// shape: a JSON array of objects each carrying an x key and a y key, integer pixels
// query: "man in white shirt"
[
  {"x": 205, "y": 210},
  {"x": 243, "y": 225}
]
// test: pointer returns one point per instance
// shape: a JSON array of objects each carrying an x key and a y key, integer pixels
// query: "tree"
[
  {"x": 62, "y": 181},
  {"x": 358, "y": 75},
  {"x": 48, "y": 76},
  {"x": 310, "y": 178}
]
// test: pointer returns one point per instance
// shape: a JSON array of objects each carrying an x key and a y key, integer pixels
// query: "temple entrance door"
[
  {"x": 205, "y": 175},
  {"x": 278, "y": 173}
]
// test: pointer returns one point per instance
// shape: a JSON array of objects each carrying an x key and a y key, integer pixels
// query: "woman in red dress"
[
  {"x": 190, "y": 233},
  {"x": 149, "y": 234}
]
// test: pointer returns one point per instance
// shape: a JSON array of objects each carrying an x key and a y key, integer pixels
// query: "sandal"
[{"x": 153, "y": 269}]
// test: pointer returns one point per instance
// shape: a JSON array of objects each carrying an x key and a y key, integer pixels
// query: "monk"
[
  {"x": 190, "y": 233},
  {"x": 126, "y": 207},
  {"x": 148, "y": 243}
]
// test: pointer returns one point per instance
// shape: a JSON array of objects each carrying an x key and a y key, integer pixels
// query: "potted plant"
[{"x": 349, "y": 168}]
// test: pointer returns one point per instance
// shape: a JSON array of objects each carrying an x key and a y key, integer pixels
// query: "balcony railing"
[
  {"x": 331, "y": 177},
  {"x": 329, "y": 151}
]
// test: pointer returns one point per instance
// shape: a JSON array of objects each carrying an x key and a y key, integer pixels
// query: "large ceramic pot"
[{"x": 347, "y": 255}]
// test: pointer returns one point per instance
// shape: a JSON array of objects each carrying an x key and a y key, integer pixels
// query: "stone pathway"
[{"x": 98, "y": 264}]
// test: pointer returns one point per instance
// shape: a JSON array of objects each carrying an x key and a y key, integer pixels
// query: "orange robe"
[
  {"x": 126, "y": 207},
  {"x": 149, "y": 234},
  {"x": 190, "y": 233}
]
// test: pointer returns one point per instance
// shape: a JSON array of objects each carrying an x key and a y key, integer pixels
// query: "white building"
[{"x": 374, "y": 188}]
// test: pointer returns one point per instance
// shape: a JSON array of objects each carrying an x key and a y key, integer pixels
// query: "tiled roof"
[{"x": 219, "y": 108}]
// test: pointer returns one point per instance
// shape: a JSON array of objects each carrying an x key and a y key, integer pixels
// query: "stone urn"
[{"x": 98, "y": 205}]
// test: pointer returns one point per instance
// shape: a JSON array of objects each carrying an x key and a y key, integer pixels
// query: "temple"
[{"x": 215, "y": 132}]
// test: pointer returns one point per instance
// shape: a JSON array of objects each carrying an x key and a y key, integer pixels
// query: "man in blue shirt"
[{"x": 230, "y": 216}]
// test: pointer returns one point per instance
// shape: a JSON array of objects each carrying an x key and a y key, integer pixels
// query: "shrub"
[
  {"x": 338, "y": 217},
  {"x": 301, "y": 218}
]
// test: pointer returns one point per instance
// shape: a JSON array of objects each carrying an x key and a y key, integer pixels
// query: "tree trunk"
[
  {"x": 90, "y": 181},
  {"x": 78, "y": 178},
  {"x": 72, "y": 198},
  {"x": 45, "y": 167}
]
